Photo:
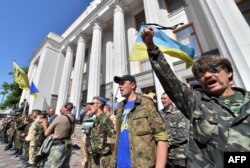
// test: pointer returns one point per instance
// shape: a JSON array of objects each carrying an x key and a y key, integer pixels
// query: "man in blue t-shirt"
[{"x": 142, "y": 140}]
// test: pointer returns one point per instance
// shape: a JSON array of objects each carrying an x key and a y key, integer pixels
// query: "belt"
[{"x": 58, "y": 142}]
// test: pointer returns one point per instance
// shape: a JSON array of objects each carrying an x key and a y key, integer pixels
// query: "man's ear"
[
  {"x": 230, "y": 75},
  {"x": 133, "y": 85}
]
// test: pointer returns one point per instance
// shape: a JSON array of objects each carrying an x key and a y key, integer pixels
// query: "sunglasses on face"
[
  {"x": 212, "y": 69},
  {"x": 93, "y": 103}
]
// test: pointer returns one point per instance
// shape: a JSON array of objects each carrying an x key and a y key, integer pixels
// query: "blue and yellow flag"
[
  {"x": 165, "y": 44},
  {"x": 33, "y": 89},
  {"x": 20, "y": 77}
]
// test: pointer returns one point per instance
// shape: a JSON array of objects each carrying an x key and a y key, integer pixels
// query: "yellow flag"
[{"x": 20, "y": 77}]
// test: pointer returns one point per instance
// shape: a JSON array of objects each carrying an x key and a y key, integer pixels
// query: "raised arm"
[{"x": 179, "y": 93}]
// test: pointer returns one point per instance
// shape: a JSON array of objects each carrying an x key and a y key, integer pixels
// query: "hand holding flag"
[{"x": 154, "y": 36}]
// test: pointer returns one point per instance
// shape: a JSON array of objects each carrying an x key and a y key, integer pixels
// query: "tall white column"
[
  {"x": 76, "y": 89},
  {"x": 232, "y": 34},
  {"x": 64, "y": 84},
  {"x": 152, "y": 13},
  {"x": 95, "y": 61},
  {"x": 120, "y": 59}
]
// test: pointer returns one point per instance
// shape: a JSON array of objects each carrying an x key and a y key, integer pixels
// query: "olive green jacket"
[{"x": 145, "y": 128}]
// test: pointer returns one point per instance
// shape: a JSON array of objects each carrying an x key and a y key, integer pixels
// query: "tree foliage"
[{"x": 12, "y": 91}]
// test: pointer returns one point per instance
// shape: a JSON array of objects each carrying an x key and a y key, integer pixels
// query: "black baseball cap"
[{"x": 130, "y": 78}]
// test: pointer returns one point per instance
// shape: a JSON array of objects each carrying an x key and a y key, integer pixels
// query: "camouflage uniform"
[
  {"x": 18, "y": 139},
  {"x": 177, "y": 126},
  {"x": 85, "y": 158},
  {"x": 145, "y": 129},
  {"x": 214, "y": 129},
  {"x": 5, "y": 125},
  {"x": 32, "y": 138},
  {"x": 11, "y": 132},
  {"x": 101, "y": 136},
  {"x": 26, "y": 143},
  {"x": 39, "y": 136}
]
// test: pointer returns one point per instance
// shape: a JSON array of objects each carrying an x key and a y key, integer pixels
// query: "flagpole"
[{"x": 25, "y": 106}]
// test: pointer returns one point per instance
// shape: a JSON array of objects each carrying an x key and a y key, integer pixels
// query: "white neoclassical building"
[{"x": 81, "y": 62}]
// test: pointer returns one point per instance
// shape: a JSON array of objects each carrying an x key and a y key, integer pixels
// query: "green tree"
[{"x": 12, "y": 91}]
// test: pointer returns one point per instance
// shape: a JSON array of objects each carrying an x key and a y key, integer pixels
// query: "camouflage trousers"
[
  {"x": 18, "y": 140},
  {"x": 32, "y": 152},
  {"x": 26, "y": 149},
  {"x": 85, "y": 156},
  {"x": 100, "y": 162},
  {"x": 59, "y": 157},
  {"x": 11, "y": 135}
]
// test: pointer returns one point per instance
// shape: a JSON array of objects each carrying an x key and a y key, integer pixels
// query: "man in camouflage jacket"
[
  {"x": 177, "y": 126},
  {"x": 219, "y": 113},
  {"x": 142, "y": 140},
  {"x": 102, "y": 135}
]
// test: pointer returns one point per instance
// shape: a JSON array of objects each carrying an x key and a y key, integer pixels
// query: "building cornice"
[
  {"x": 52, "y": 39},
  {"x": 85, "y": 22}
]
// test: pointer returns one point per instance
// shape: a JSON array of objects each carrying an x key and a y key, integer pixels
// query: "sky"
[{"x": 24, "y": 24}]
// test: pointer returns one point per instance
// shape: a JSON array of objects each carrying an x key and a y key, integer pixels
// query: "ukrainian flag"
[
  {"x": 33, "y": 89},
  {"x": 165, "y": 44},
  {"x": 20, "y": 77}
]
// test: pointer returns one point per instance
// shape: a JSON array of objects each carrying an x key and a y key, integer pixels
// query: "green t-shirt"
[{"x": 233, "y": 102}]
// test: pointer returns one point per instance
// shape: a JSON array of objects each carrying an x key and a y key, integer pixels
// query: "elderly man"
[
  {"x": 219, "y": 113},
  {"x": 52, "y": 114}
]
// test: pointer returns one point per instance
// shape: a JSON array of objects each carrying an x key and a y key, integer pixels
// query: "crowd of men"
[
  {"x": 196, "y": 126},
  {"x": 25, "y": 133}
]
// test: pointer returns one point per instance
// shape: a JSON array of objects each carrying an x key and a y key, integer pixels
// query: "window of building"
[
  {"x": 187, "y": 36},
  {"x": 174, "y": 5},
  {"x": 244, "y": 6},
  {"x": 139, "y": 20}
]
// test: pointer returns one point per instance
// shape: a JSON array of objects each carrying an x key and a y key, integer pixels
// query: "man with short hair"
[
  {"x": 102, "y": 136},
  {"x": 107, "y": 111},
  {"x": 52, "y": 115},
  {"x": 218, "y": 113},
  {"x": 62, "y": 128},
  {"x": 142, "y": 140},
  {"x": 177, "y": 126}
]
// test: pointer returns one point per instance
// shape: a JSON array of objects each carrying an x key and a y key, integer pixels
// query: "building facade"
[{"x": 82, "y": 62}]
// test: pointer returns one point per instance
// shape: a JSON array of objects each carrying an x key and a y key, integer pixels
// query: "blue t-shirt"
[{"x": 123, "y": 149}]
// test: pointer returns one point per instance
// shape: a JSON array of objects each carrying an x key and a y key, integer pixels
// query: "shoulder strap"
[{"x": 71, "y": 124}]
